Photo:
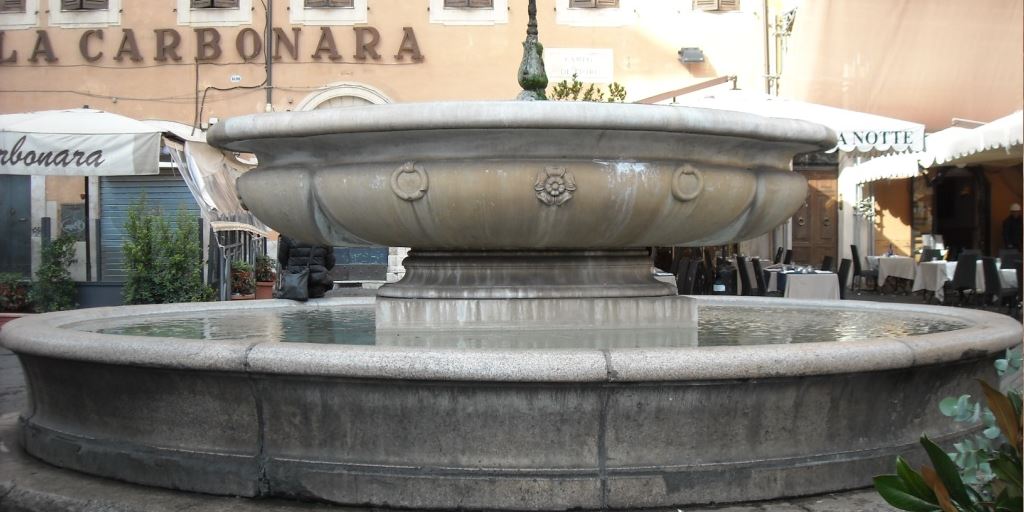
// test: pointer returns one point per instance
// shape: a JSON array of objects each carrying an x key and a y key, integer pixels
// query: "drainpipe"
[
  {"x": 268, "y": 40},
  {"x": 767, "y": 53}
]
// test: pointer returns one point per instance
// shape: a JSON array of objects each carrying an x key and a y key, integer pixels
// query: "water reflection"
[{"x": 354, "y": 325}]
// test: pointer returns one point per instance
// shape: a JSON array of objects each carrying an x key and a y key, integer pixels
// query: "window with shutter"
[
  {"x": 716, "y": 5},
  {"x": 214, "y": 4},
  {"x": 82, "y": 5},
  {"x": 593, "y": 4},
  {"x": 328, "y": 4},
  {"x": 469, "y": 4},
  {"x": 12, "y": 6}
]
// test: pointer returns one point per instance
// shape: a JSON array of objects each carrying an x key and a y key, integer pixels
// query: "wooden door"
[
  {"x": 15, "y": 228},
  {"x": 814, "y": 225}
]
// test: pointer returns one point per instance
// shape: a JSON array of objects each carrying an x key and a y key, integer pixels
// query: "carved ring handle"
[
  {"x": 800, "y": 221},
  {"x": 687, "y": 195},
  {"x": 411, "y": 168}
]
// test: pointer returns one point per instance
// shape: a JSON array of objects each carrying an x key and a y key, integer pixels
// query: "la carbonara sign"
[{"x": 76, "y": 155}]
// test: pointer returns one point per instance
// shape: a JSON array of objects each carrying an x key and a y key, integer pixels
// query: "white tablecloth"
[
  {"x": 812, "y": 286},
  {"x": 896, "y": 266},
  {"x": 931, "y": 275}
]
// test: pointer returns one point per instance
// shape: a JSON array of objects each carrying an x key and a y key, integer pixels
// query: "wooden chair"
[
  {"x": 778, "y": 256},
  {"x": 741, "y": 269},
  {"x": 994, "y": 290},
  {"x": 964, "y": 277},
  {"x": 826, "y": 263},
  {"x": 861, "y": 272},
  {"x": 762, "y": 288},
  {"x": 844, "y": 274},
  {"x": 789, "y": 257}
]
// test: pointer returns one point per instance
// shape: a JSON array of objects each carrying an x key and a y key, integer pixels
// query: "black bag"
[{"x": 295, "y": 285}]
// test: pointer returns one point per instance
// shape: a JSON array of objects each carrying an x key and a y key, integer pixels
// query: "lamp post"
[{"x": 532, "y": 77}]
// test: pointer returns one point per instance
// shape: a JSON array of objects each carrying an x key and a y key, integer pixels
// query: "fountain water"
[{"x": 518, "y": 213}]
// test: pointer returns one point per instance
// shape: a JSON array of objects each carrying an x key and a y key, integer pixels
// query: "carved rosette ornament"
[
  {"x": 687, "y": 183},
  {"x": 409, "y": 188},
  {"x": 554, "y": 186}
]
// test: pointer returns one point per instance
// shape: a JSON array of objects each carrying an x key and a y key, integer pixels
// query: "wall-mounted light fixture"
[{"x": 688, "y": 55}]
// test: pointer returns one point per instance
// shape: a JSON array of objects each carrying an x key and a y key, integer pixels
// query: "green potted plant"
[
  {"x": 264, "y": 277},
  {"x": 243, "y": 281},
  {"x": 14, "y": 292}
]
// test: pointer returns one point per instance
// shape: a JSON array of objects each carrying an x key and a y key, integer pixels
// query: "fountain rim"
[
  {"x": 45, "y": 335},
  {"x": 234, "y": 132}
]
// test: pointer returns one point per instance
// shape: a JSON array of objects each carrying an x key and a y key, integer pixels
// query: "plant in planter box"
[
  {"x": 243, "y": 279},
  {"x": 264, "y": 277},
  {"x": 53, "y": 289},
  {"x": 14, "y": 292}
]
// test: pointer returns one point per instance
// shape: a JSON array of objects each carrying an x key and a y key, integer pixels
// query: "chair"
[
  {"x": 994, "y": 285},
  {"x": 682, "y": 271},
  {"x": 1008, "y": 258},
  {"x": 826, "y": 263},
  {"x": 687, "y": 279},
  {"x": 966, "y": 275},
  {"x": 741, "y": 268},
  {"x": 778, "y": 256},
  {"x": 859, "y": 271},
  {"x": 844, "y": 274},
  {"x": 930, "y": 255},
  {"x": 789, "y": 257},
  {"x": 762, "y": 288}
]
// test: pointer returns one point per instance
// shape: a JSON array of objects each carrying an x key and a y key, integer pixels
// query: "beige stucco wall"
[{"x": 460, "y": 62}]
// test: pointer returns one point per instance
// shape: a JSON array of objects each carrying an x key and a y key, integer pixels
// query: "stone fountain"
[{"x": 529, "y": 222}]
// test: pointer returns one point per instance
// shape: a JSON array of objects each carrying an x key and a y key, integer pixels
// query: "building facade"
[{"x": 194, "y": 62}]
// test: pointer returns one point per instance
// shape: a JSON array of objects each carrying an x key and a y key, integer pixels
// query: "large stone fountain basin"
[
  {"x": 513, "y": 175},
  {"x": 497, "y": 429}
]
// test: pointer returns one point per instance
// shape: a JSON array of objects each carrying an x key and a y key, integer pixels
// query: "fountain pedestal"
[{"x": 530, "y": 290}]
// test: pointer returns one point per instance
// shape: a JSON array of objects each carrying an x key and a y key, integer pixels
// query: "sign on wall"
[{"x": 591, "y": 65}]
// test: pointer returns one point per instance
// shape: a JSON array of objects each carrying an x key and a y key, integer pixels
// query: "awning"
[
  {"x": 887, "y": 167},
  {"x": 1000, "y": 140},
  {"x": 210, "y": 175},
  {"x": 77, "y": 142},
  {"x": 856, "y": 131}
]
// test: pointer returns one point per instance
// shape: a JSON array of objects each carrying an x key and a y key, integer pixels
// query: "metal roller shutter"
[{"x": 118, "y": 194}]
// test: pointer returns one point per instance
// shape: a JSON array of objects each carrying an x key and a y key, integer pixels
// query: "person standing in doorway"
[
  {"x": 293, "y": 256},
  {"x": 1012, "y": 232}
]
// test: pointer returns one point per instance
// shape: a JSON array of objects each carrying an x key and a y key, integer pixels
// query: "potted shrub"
[
  {"x": 264, "y": 277},
  {"x": 14, "y": 293},
  {"x": 243, "y": 281}
]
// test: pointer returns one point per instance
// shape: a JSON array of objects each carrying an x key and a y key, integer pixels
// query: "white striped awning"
[
  {"x": 999, "y": 140},
  {"x": 887, "y": 167}
]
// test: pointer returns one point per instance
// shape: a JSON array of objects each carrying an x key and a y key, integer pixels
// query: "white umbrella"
[{"x": 77, "y": 142}]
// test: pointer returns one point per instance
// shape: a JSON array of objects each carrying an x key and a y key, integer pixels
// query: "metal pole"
[
  {"x": 44, "y": 230},
  {"x": 99, "y": 251},
  {"x": 88, "y": 244}
]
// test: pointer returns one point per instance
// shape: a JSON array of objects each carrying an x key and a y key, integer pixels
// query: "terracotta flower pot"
[
  {"x": 264, "y": 289},
  {"x": 247, "y": 296}
]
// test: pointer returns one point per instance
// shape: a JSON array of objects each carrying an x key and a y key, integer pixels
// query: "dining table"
[
  {"x": 902, "y": 267},
  {"x": 933, "y": 275}
]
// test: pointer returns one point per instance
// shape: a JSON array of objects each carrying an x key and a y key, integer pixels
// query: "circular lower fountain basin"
[{"x": 422, "y": 424}]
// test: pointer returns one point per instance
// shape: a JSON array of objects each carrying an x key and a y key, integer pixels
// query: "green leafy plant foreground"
[
  {"x": 243, "y": 279},
  {"x": 980, "y": 475},
  {"x": 574, "y": 90},
  {"x": 163, "y": 262},
  {"x": 53, "y": 289},
  {"x": 264, "y": 268},
  {"x": 14, "y": 291}
]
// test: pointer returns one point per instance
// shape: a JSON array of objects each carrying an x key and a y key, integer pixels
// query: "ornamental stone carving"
[
  {"x": 554, "y": 186},
  {"x": 409, "y": 188},
  {"x": 687, "y": 183}
]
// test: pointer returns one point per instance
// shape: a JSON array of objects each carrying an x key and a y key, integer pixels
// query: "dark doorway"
[
  {"x": 16, "y": 228},
  {"x": 961, "y": 209}
]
